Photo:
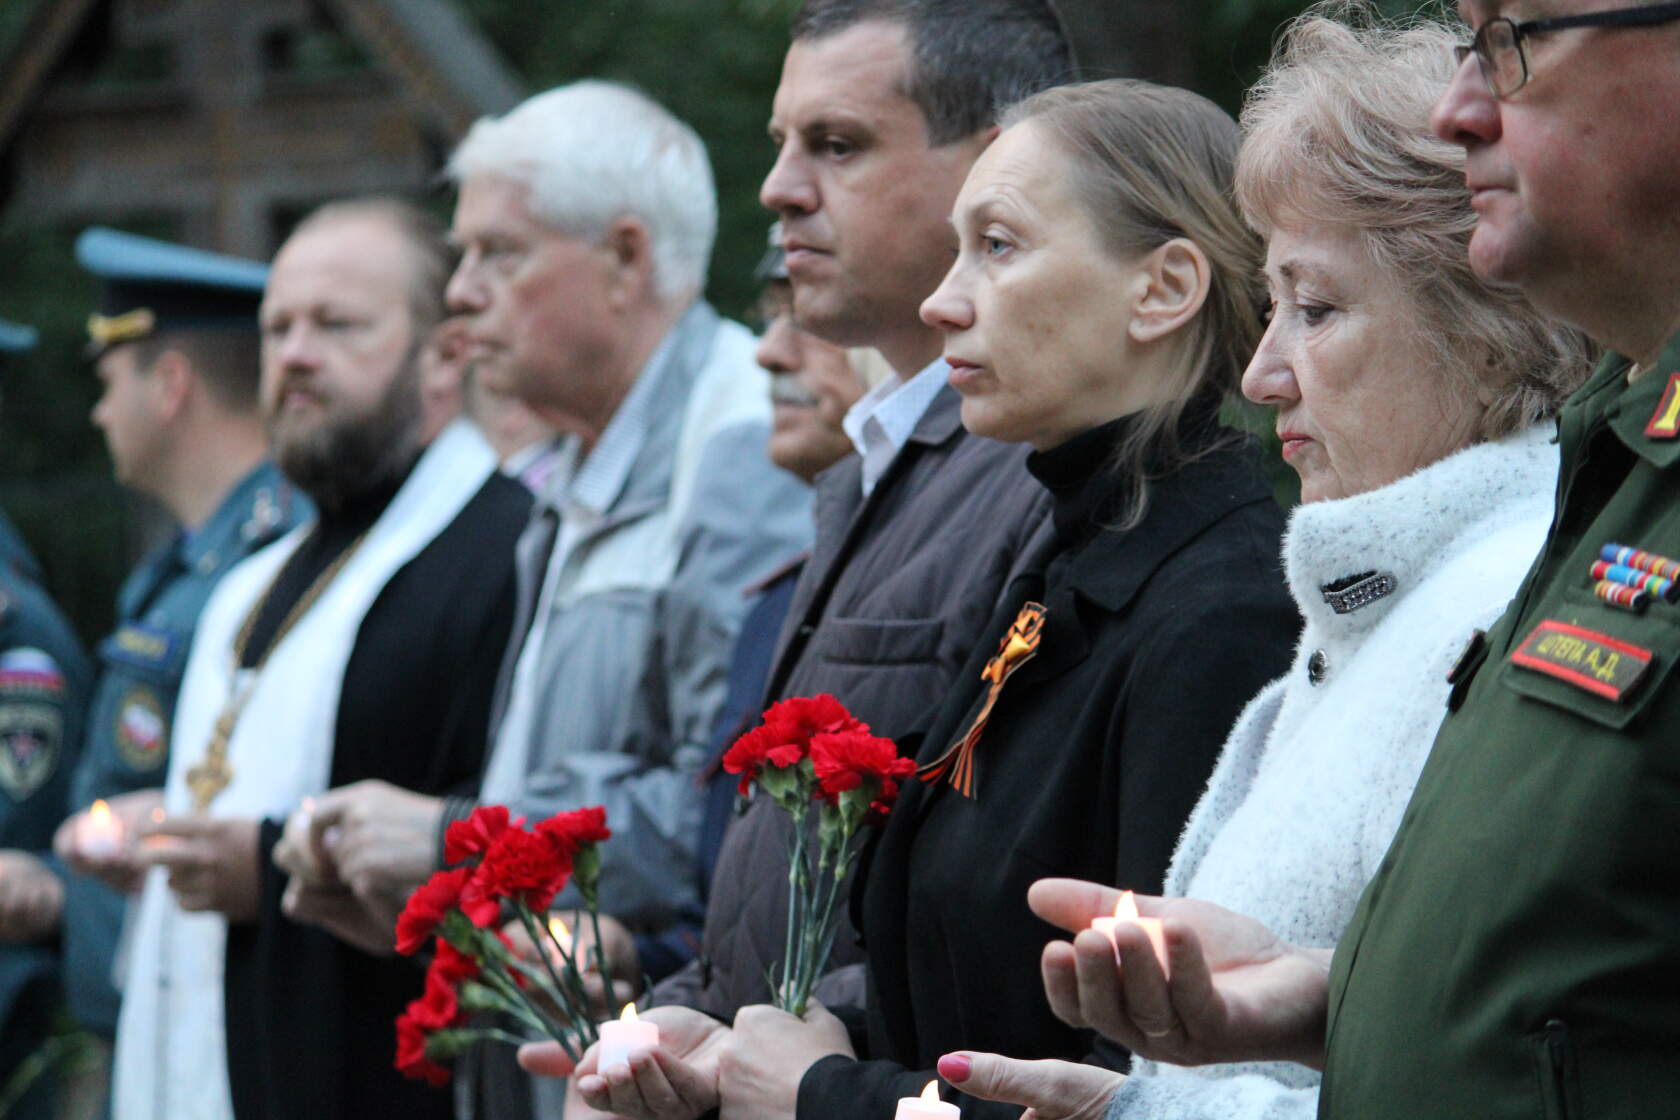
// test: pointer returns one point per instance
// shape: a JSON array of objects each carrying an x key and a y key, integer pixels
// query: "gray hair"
[
  {"x": 1337, "y": 132},
  {"x": 593, "y": 152}
]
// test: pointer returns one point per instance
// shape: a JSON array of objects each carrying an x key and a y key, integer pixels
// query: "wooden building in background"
[{"x": 219, "y": 122}]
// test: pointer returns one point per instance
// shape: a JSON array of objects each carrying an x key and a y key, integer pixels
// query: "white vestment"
[{"x": 171, "y": 1053}]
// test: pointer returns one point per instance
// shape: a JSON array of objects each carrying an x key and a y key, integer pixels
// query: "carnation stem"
[
  {"x": 535, "y": 932},
  {"x": 600, "y": 953}
]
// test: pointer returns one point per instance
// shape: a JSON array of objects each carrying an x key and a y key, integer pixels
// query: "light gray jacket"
[{"x": 644, "y": 613}]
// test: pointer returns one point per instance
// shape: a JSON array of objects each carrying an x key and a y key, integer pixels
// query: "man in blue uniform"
[
  {"x": 44, "y": 677},
  {"x": 176, "y": 346}
]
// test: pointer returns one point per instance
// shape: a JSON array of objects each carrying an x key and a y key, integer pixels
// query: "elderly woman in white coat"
[{"x": 1415, "y": 405}]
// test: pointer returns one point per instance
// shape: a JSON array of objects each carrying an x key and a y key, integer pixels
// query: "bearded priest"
[{"x": 362, "y": 645}]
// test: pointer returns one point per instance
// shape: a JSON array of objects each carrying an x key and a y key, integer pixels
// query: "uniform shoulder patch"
[
  {"x": 142, "y": 729},
  {"x": 1665, "y": 421},
  {"x": 1595, "y": 662},
  {"x": 32, "y": 693}
]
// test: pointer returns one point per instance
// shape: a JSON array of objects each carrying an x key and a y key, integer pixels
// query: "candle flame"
[
  {"x": 158, "y": 815},
  {"x": 100, "y": 814},
  {"x": 560, "y": 932},
  {"x": 931, "y": 1093},
  {"x": 1126, "y": 909},
  {"x": 629, "y": 1015}
]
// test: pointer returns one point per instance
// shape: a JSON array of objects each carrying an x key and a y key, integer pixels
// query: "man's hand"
[
  {"x": 344, "y": 915},
  {"x": 1237, "y": 992},
  {"x": 767, "y": 1056},
  {"x": 212, "y": 862},
  {"x": 31, "y": 897},
  {"x": 676, "y": 1080},
  {"x": 303, "y": 856},
  {"x": 382, "y": 840},
  {"x": 1050, "y": 1090},
  {"x": 119, "y": 869}
]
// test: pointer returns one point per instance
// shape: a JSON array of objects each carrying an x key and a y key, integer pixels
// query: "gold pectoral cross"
[
  {"x": 212, "y": 774},
  {"x": 1018, "y": 647}
]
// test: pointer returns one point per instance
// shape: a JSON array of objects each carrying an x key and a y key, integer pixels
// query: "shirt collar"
[
  {"x": 595, "y": 483},
  {"x": 882, "y": 420}
]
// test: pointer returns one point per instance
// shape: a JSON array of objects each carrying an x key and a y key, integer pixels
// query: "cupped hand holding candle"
[
  {"x": 1126, "y": 911},
  {"x": 928, "y": 1106},
  {"x": 622, "y": 1035},
  {"x": 100, "y": 835}
]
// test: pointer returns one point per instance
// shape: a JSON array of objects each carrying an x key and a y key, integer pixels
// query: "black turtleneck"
[{"x": 1154, "y": 638}]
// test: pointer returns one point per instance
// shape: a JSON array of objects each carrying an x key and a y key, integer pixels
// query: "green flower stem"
[
  {"x": 522, "y": 1007},
  {"x": 790, "y": 940},
  {"x": 594, "y": 909},
  {"x": 535, "y": 932}
]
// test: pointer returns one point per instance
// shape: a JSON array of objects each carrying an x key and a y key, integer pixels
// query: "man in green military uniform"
[
  {"x": 44, "y": 678},
  {"x": 1518, "y": 952},
  {"x": 176, "y": 347}
]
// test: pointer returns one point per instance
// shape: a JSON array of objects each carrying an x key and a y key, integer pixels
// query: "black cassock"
[{"x": 310, "y": 1030}]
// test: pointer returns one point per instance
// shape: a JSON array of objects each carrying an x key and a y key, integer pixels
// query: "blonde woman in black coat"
[{"x": 1101, "y": 306}]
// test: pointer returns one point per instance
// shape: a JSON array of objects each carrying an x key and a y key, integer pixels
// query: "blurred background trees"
[{"x": 715, "y": 62}]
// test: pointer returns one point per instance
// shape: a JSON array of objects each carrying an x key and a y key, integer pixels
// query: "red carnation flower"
[
  {"x": 471, "y": 837},
  {"x": 758, "y": 748},
  {"x": 576, "y": 829},
  {"x": 411, "y": 1051},
  {"x": 452, "y": 964},
  {"x": 439, "y": 1006},
  {"x": 427, "y": 906},
  {"x": 846, "y": 760},
  {"x": 519, "y": 865},
  {"x": 808, "y": 716}
]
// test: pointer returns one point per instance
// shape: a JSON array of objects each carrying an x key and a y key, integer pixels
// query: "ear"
[
  {"x": 628, "y": 247},
  {"x": 1175, "y": 282},
  {"x": 172, "y": 380}
]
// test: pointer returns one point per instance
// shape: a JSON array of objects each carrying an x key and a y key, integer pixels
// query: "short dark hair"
[
  {"x": 228, "y": 361},
  {"x": 433, "y": 256},
  {"x": 970, "y": 59}
]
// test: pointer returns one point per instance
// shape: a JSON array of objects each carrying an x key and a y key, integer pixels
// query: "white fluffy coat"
[{"x": 1310, "y": 788}]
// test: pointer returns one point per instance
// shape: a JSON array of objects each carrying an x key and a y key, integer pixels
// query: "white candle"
[
  {"x": 928, "y": 1106},
  {"x": 622, "y": 1035},
  {"x": 1126, "y": 911},
  {"x": 101, "y": 833}
]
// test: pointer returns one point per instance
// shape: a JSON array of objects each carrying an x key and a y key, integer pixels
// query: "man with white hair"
[{"x": 585, "y": 219}]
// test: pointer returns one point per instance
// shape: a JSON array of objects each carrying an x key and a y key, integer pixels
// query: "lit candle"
[
  {"x": 101, "y": 834},
  {"x": 928, "y": 1106},
  {"x": 621, "y": 1035},
  {"x": 1126, "y": 911},
  {"x": 561, "y": 934}
]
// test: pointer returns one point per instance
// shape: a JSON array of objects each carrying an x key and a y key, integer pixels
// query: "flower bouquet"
[
  {"x": 822, "y": 766},
  {"x": 500, "y": 871}
]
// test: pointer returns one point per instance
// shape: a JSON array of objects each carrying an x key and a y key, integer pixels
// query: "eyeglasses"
[{"x": 1498, "y": 45}]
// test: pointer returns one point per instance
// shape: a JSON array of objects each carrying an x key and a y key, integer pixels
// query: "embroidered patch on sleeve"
[
  {"x": 142, "y": 729},
  {"x": 1597, "y": 663},
  {"x": 1665, "y": 421},
  {"x": 31, "y": 720}
]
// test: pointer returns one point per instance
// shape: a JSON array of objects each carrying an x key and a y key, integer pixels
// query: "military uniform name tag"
[
  {"x": 144, "y": 647},
  {"x": 1594, "y": 662}
]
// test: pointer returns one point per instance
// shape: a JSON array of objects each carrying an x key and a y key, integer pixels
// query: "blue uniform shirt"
[
  {"x": 44, "y": 680},
  {"x": 140, "y": 669}
]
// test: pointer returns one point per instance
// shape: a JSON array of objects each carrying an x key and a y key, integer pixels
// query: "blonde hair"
[
  {"x": 1337, "y": 132},
  {"x": 1152, "y": 164}
]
